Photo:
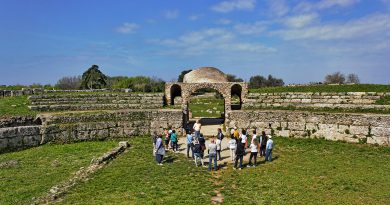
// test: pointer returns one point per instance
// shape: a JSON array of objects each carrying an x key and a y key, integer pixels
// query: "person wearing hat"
[{"x": 269, "y": 147}]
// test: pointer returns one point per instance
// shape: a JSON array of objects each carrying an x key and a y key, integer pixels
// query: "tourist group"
[{"x": 238, "y": 145}]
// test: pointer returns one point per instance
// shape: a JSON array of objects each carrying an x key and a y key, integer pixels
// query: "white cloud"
[
  {"x": 127, "y": 28},
  {"x": 195, "y": 17},
  {"x": 224, "y": 21},
  {"x": 278, "y": 7},
  {"x": 300, "y": 20},
  {"x": 227, "y": 6},
  {"x": 209, "y": 41},
  {"x": 254, "y": 28},
  {"x": 378, "y": 24},
  {"x": 171, "y": 14},
  {"x": 324, "y": 4}
]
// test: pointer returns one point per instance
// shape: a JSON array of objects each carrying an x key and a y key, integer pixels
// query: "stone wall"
[
  {"x": 96, "y": 101},
  {"x": 363, "y": 128},
  {"x": 349, "y": 100},
  {"x": 89, "y": 126}
]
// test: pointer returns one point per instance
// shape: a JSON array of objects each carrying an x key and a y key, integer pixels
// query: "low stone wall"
[
  {"x": 11, "y": 93},
  {"x": 16, "y": 121},
  {"x": 96, "y": 101},
  {"x": 357, "y": 128},
  {"x": 349, "y": 100},
  {"x": 89, "y": 126}
]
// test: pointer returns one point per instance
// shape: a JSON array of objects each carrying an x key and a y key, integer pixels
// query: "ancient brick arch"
[{"x": 206, "y": 77}]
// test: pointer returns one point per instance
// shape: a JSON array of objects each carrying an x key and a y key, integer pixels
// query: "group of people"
[
  {"x": 196, "y": 143},
  {"x": 238, "y": 144}
]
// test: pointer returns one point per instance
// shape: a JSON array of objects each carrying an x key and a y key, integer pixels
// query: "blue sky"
[{"x": 298, "y": 41}]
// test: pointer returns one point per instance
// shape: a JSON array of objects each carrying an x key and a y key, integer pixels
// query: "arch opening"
[
  {"x": 206, "y": 105},
  {"x": 236, "y": 100},
  {"x": 175, "y": 92}
]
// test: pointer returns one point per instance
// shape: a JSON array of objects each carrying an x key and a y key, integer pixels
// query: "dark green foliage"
[
  {"x": 233, "y": 78},
  {"x": 138, "y": 83},
  {"x": 325, "y": 88},
  {"x": 383, "y": 101},
  {"x": 259, "y": 81},
  {"x": 181, "y": 76},
  {"x": 93, "y": 78}
]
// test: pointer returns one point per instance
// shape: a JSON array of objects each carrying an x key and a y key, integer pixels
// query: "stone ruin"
[{"x": 117, "y": 115}]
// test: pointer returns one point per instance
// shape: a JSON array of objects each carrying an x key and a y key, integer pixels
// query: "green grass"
[
  {"x": 383, "y": 101},
  {"x": 325, "y": 88},
  {"x": 304, "y": 171},
  {"x": 10, "y": 106},
  {"x": 206, "y": 107},
  {"x": 134, "y": 178},
  {"x": 314, "y": 172},
  {"x": 34, "y": 171}
]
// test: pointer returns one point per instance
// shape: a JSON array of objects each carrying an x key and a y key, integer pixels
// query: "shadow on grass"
[{"x": 170, "y": 159}]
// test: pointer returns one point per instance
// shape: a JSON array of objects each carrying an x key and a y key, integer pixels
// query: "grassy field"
[
  {"x": 10, "y": 106},
  {"x": 304, "y": 171},
  {"x": 325, "y": 88},
  {"x": 30, "y": 173},
  {"x": 206, "y": 106}
]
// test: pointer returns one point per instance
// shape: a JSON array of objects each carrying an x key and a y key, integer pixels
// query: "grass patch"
[
  {"x": 10, "y": 106},
  {"x": 30, "y": 173},
  {"x": 383, "y": 101},
  {"x": 325, "y": 88},
  {"x": 134, "y": 178},
  {"x": 304, "y": 171},
  {"x": 311, "y": 171},
  {"x": 206, "y": 106}
]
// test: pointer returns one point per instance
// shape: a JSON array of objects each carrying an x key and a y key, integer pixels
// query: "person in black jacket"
[
  {"x": 263, "y": 143},
  {"x": 240, "y": 152},
  {"x": 198, "y": 153},
  {"x": 202, "y": 143}
]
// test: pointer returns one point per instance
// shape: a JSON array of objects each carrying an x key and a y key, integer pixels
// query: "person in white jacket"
[
  {"x": 232, "y": 145},
  {"x": 253, "y": 147}
]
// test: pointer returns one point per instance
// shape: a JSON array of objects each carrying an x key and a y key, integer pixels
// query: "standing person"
[
  {"x": 218, "y": 142},
  {"x": 190, "y": 145},
  {"x": 240, "y": 151},
  {"x": 244, "y": 138},
  {"x": 236, "y": 134},
  {"x": 174, "y": 141},
  {"x": 167, "y": 138},
  {"x": 154, "y": 140},
  {"x": 160, "y": 150},
  {"x": 269, "y": 147},
  {"x": 263, "y": 143},
  {"x": 197, "y": 153},
  {"x": 220, "y": 134},
  {"x": 202, "y": 143},
  {"x": 213, "y": 154},
  {"x": 197, "y": 127},
  {"x": 232, "y": 147},
  {"x": 253, "y": 147}
]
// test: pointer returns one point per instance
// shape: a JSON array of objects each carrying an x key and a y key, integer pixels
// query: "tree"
[
  {"x": 259, "y": 81},
  {"x": 272, "y": 82},
  {"x": 69, "y": 83},
  {"x": 334, "y": 78},
  {"x": 233, "y": 78},
  {"x": 353, "y": 78},
  {"x": 181, "y": 76},
  {"x": 93, "y": 78}
]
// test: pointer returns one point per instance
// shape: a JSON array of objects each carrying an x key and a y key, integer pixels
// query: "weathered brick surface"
[{"x": 364, "y": 128}]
